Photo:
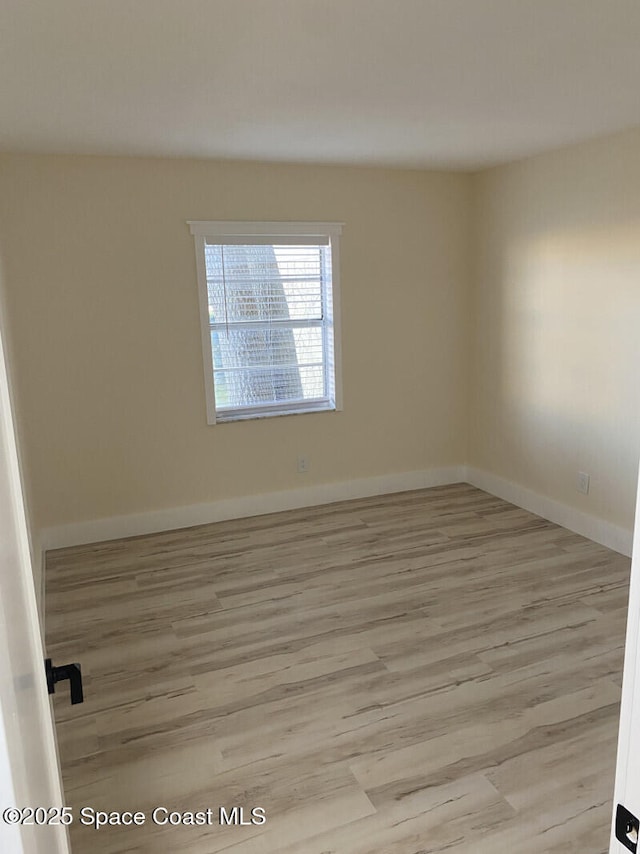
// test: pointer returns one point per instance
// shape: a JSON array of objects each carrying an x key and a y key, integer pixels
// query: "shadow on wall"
[{"x": 566, "y": 395}]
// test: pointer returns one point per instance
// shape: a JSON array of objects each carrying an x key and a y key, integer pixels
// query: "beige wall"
[
  {"x": 101, "y": 287},
  {"x": 556, "y": 354},
  {"x": 531, "y": 374}
]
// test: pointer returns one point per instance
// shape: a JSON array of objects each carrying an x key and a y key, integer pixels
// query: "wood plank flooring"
[{"x": 425, "y": 672}]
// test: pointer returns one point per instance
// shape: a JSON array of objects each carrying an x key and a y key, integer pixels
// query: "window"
[{"x": 270, "y": 317}]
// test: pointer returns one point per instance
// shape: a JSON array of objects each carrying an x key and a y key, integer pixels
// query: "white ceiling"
[{"x": 442, "y": 83}]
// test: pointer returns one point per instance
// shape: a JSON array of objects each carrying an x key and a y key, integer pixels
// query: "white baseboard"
[
  {"x": 114, "y": 527},
  {"x": 609, "y": 535}
]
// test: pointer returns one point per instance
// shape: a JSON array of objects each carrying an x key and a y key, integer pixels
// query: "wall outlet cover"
[{"x": 582, "y": 484}]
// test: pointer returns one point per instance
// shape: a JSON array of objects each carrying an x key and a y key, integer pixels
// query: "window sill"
[{"x": 254, "y": 416}]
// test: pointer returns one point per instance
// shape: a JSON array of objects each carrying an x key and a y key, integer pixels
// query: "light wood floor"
[{"x": 431, "y": 671}]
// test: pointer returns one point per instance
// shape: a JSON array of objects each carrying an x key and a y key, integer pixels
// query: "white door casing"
[
  {"x": 627, "y": 785},
  {"x": 29, "y": 768}
]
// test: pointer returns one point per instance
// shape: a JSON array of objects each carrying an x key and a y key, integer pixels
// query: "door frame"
[{"x": 29, "y": 777}]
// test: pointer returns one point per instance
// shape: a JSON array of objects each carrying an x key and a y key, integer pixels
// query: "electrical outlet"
[
  {"x": 303, "y": 464},
  {"x": 582, "y": 484}
]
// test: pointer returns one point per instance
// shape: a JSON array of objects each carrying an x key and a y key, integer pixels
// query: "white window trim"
[{"x": 201, "y": 229}]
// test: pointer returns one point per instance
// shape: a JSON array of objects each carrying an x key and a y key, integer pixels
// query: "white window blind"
[{"x": 270, "y": 319}]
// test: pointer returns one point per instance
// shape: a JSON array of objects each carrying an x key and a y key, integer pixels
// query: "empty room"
[{"x": 320, "y": 326}]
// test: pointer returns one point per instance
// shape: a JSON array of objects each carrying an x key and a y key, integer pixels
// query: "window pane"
[
  {"x": 254, "y": 387},
  {"x": 258, "y": 366},
  {"x": 253, "y": 283}
]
